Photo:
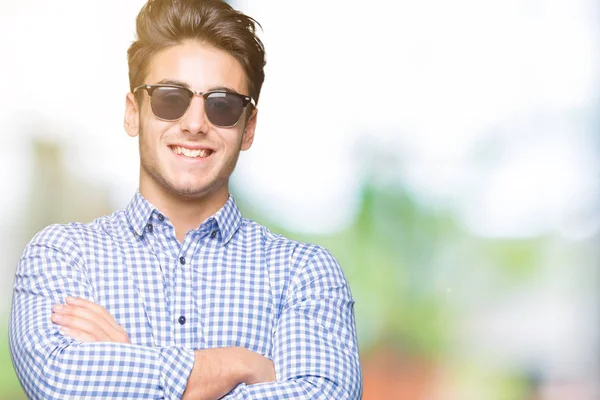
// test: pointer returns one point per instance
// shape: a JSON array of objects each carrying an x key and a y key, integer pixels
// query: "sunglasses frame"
[{"x": 149, "y": 88}]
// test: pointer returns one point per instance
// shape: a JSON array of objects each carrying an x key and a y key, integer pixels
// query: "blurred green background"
[{"x": 447, "y": 154}]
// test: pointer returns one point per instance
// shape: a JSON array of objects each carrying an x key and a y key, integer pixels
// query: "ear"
[
  {"x": 248, "y": 135},
  {"x": 132, "y": 112}
]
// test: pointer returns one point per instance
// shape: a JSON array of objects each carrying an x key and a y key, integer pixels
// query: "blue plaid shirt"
[{"x": 230, "y": 283}]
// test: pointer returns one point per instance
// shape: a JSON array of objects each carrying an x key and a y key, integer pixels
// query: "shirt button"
[
  {"x": 149, "y": 227},
  {"x": 213, "y": 234},
  {"x": 182, "y": 260},
  {"x": 161, "y": 217},
  {"x": 182, "y": 320}
]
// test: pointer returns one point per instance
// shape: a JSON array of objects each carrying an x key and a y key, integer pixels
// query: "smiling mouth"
[{"x": 191, "y": 153}]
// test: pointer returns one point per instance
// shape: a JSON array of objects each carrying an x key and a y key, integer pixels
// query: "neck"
[{"x": 185, "y": 212}]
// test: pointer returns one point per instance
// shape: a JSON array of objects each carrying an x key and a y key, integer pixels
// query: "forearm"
[
  {"x": 219, "y": 370},
  {"x": 57, "y": 369},
  {"x": 308, "y": 388}
]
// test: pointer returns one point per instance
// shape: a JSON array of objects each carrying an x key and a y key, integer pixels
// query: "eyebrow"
[
  {"x": 185, "y": 85},
  {"x": 173, "y": 82}
]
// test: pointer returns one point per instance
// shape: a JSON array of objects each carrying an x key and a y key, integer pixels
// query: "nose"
[{"x": 194, "y": 121}]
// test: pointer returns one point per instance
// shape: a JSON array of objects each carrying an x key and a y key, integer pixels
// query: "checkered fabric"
[{"x": 230, "y": 283}]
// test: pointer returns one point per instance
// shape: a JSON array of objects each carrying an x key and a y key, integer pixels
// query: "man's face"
[{"x": 189, "y": 158}]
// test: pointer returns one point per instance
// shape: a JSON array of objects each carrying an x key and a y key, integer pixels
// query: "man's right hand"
[{"x": 218, "y": 371}]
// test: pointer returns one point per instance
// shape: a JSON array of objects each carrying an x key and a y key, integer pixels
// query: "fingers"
[
  {"x": 77, "y": 334},
  {"x": 94, "y": 308},
  {"x": 87, "y": 321},
  {"x": 77, "y": 319}
]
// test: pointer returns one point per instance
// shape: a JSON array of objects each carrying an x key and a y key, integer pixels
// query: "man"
[{"x": 178, "y": 296}]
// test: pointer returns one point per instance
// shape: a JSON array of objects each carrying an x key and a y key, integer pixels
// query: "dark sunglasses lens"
[
  {"x": 224, "y": 109},
  {"x": 170, "y": 103}
]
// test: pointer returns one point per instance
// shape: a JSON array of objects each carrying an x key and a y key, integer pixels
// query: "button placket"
[
  {"x": 181, "y": 306},
  {"x": 194, "y": 316}
]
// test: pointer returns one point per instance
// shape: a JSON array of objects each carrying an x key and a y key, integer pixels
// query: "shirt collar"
[
  {"x": 138, "y": 211},
  {"x": 228, "y": 218}
]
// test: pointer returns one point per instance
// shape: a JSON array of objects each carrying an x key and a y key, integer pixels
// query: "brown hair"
[{"x": 165, "y": 23}]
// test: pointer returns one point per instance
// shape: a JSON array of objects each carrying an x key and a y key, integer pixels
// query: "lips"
[{"x": 191, "y": 152}]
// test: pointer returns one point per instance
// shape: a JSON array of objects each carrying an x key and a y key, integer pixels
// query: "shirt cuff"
[{"x": 175, "y": 369}]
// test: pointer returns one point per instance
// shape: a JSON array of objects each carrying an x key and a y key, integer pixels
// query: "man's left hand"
[{"x": 87, "y": 322}]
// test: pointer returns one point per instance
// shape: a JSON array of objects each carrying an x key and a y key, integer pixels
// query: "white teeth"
[{"x": 191, "y": 153}]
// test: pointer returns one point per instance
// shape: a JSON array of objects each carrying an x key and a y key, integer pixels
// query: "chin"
[
  {"x": 182, "y": 185},
  {"x": 194, "y": 190}
]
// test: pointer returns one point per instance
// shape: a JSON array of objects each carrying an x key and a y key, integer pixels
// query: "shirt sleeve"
[
  {"x": 315, "y": 348},
  {"x": 50, "y": 365}
]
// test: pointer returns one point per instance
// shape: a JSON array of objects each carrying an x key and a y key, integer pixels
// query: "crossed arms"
[
  {"x": 93, "y": 357},
  {"x": 215, "y": 373}
]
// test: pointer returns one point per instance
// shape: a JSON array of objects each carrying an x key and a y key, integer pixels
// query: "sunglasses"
[{"x": 170, "y": 102}]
